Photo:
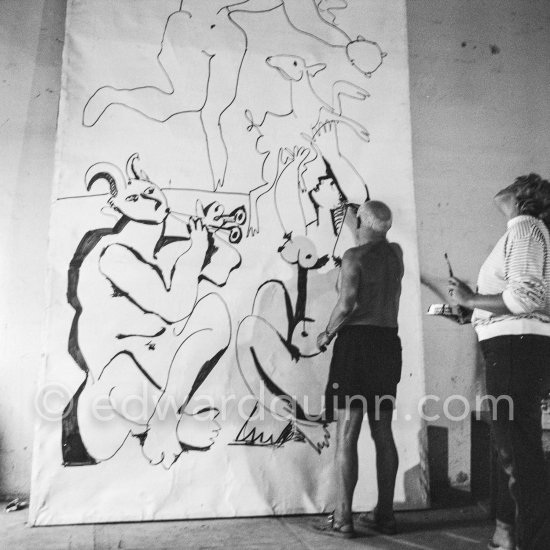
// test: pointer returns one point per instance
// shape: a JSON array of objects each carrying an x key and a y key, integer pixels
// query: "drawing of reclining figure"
[{"x": 140, "y": 333}]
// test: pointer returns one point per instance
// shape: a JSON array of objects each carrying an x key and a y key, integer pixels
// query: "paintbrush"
[
  {"x": 463, "y": 314},
  {"x": 449, "y": 265}
]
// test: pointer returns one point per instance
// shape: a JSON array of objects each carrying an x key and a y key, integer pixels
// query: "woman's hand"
[{"x": 460, "y": 294}]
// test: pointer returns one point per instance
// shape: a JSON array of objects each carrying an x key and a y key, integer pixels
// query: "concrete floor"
[{"x": 450, "y": 529}]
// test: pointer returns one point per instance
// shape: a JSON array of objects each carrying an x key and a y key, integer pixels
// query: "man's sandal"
[
  {"x": 504, "y": 534},
  {"x": 327, "y": 527},
  {"x": 368, "y": 520}
]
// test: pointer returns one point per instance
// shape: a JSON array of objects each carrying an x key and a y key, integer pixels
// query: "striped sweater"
[{"x": 519, "y": 268}]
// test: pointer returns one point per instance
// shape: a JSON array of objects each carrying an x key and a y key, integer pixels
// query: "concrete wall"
[
  {"x": 480, "y": 103},
  {"x": 480, "y": 112},
  {"x": 31, "y": 42}
]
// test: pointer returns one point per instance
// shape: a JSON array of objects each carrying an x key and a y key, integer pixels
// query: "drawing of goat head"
[
  {"x": 134, "y": 196},
  {"x": 293, "y": 67}
]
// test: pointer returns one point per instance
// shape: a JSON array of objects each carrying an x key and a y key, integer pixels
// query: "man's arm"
[{"x": 347, "y": 299}]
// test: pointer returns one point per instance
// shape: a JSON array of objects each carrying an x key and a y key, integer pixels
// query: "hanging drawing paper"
[{"x": 211, "y": 155}]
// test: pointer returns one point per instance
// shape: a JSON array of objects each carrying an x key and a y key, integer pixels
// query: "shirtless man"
[{"x": 366, "y": 366}]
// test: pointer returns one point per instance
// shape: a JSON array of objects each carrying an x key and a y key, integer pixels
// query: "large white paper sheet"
[{"x": 208, "y": 153}]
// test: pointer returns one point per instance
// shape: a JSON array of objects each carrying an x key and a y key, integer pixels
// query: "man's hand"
[
  {"x": 460, "y": 294},
  {"x": 323, "y": 340}
]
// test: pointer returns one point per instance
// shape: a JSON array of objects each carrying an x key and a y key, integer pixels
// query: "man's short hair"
[{"x": 375, "y": 215}]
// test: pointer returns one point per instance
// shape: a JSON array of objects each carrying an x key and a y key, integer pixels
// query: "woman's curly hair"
[{"x": 532, "y": 194}]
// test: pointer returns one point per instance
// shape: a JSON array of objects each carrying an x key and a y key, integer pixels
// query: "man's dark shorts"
[{"x": 365, "y": 368}]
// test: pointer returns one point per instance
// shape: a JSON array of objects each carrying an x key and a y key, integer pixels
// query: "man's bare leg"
[
  {"x": 348, "y": 427},
  {"x": 387, "y": 461}
]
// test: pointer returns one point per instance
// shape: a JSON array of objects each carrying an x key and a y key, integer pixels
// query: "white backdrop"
[{"x": 207, "y": 152}]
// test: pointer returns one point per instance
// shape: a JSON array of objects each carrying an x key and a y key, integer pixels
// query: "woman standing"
[{"x": 512, "y": 320}]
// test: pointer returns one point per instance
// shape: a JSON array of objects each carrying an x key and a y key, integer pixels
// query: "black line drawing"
[
  {"x": 276, "y": 344},
  {"x": 319, "y": 211},
  {"x": 140, "y": 328},
  {"x": 201, "y": 57},
  {"x": 217, "y": 220},
  {"x": 317, "y": 19},
  {"x": 249, "y": 435},
  {"x": 328, "y": 7},
  {"x": 310, "y": 121}
]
